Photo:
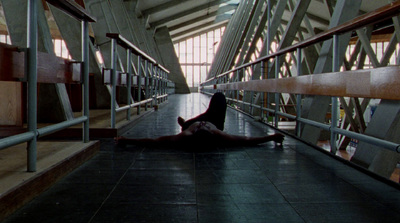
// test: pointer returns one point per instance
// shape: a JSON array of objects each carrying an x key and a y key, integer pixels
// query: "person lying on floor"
[
  {"x": 201, "y": 133},
  {"x": 215, "y": 113},
  {"x": 205, "y": 129}
]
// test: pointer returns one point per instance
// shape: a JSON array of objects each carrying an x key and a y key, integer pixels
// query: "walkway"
[{"x": 265, "y": 183}]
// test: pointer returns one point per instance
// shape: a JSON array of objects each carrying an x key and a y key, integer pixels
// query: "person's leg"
[
  {"x": 215, "y": 113},
  {"x": 163, "y": 140}
]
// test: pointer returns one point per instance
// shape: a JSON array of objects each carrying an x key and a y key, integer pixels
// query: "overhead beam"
[
  {"x": 160, "y": 7},
  {"x": 220, "y": 11},
  {"x": 317, "y": 19},
  {"x": 185, "y": 13},
  {"x": 239, "y": 34},
  {"x": 227, "y": 39},
  {"x": 254, "y": 31},
  {"x": 197, "y": 31}
]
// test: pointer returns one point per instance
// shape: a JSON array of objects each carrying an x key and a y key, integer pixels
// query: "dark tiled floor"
[{"x": 244, "y": 184}]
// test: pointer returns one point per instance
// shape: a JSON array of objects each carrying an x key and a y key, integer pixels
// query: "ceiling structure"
[{"x": 187, "y": 18}]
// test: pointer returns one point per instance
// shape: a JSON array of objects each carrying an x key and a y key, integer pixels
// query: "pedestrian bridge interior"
[
  {"x": 265, "y": 183},
  {"x": 77, "y": 74}
]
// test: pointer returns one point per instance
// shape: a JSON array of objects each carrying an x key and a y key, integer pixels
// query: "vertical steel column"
[
  {"x": 146, "y": 80},
  {"x": 162, "y": 73},
  {"x": 244, "y": 92},
  {"x": 155, "y": 83},
  {"x": 128, "y": 82},
  {"x": 298, "y": 99},
  {"x": 155, "y": 78},
  {"x": 113, "y": 80},
  {"x": 164, "y": 84},
  {"x": 267, "y": 95},
  {"x": 156, "y": 70},
  {"x": 262, "y": 70},
  {"x": 230, "y": 80},
  {"x": 268, "y": 48},
  {"x": 334, "y": 118},
  {"x": 268, "y": 27},
  {"x": 139, "y": 82},
  {"x": 237, "y": 91},
  {"x": 32, "y": 82},
  {"x": 276, "y": 94},
  {"x": 159, "y": 83},
  {"x": 151, "y": 83},
  {"x": 85, "y": 77},
  {"x": 251, "y": 93}
]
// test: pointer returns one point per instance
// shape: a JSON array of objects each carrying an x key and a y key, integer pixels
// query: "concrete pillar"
[
  {"x": 143, "y": 36},
  {"x": 171, "y": 62}
]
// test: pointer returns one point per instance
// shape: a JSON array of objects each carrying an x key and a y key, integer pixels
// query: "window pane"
[
  {"x": 196, "y": 76},
  {"x": 189, "y": 51},
  {"x": 189, "y": 76}
]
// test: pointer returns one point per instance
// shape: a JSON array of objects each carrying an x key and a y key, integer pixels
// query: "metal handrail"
[
  {"x": 122, "y": 41},
  {"x": 33, "y": 132},
  {"x": 151, "y": 68},
  {"x": 378, "y": 15}
]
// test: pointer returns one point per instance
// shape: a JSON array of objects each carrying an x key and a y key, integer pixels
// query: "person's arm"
[
  {"x": 244, "y": 140},
  {"x": 163, "y": 140}
]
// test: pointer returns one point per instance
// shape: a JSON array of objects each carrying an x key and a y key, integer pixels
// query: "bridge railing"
[
  {"x": 377, "y": 83},
  {"x": 147, "y": 74},
  {"x": 38, "y": 65}
]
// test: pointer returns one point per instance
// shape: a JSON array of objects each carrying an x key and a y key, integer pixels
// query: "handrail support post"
[
  {"x": 32, "y": 83},
  {"x": 85, "y": 77},
  {"x": 139, "y": 82},
  {"x": 113, "y": 80},
  {"x": 334, "y": 112},
  {"x": 298, "y": 96},
  {"x": 128, "y": 82},
  {"x": 277, "y": 69},
  {"x": 146, "y": 84}
]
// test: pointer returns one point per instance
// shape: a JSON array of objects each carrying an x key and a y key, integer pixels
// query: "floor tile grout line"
[{"x": 113, "y": 189}]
